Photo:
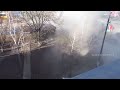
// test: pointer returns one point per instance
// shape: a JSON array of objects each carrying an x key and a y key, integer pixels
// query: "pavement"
[{"x": 108, "y": 71}]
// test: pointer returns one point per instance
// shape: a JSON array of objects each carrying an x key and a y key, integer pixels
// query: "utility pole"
[{"x": 99, "y": 58}]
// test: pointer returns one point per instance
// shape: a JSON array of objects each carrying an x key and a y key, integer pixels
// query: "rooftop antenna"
[{"x": 99, "y": 62}]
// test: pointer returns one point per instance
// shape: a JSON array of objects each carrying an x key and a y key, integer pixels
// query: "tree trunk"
[
  {"x": 19, "y": 59},
  {"x": 27, "y": 65}
]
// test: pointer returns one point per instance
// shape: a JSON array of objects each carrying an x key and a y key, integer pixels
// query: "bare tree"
[
  {"x": 36, "y": 21},
  {"x": 17, "y": 35}
]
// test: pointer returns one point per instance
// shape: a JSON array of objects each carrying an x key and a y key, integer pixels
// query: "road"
[{"x": 108, "y": 71}]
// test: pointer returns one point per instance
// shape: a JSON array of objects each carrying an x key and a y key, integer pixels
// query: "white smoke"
[{"x": 80, "y": 26}]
